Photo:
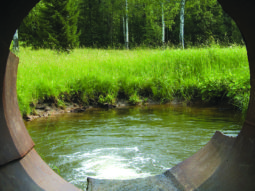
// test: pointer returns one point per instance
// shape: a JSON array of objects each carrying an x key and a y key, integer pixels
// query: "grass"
[{"x": 90, "y": 76}]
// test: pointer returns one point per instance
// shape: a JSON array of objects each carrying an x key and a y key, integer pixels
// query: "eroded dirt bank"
[{"x": 50, "y": 109}]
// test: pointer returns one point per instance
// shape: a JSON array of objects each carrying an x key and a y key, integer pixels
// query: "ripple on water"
[{"x": 125, "y": 144}]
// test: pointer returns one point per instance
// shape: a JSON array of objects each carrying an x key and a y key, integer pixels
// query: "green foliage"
[
  {"x": 110, "y": 99},
  {"x": 61, "y": 104},
  {"x": 60, "y": 29},
  {"x": 90, "y": 76},
  {"x": 134, "y": 99},
  {"x": 100, "y": 24},
  {"x": 28, "y": 30},
  {"x": 54, "y": 25}
]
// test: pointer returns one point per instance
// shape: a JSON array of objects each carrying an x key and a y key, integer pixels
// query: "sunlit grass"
[{"x": 210, "y": 74}]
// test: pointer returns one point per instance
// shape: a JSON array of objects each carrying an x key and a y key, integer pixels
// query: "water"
[{"x": 127, "y": 143}]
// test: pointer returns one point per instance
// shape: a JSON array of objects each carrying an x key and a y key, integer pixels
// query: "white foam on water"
[{"x": 112, "y": 163}]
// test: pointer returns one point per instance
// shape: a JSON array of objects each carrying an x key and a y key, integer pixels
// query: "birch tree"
[
  {"x": 182, "y": 23},
  {"x": 127, "y": 31},
  {"x": 127, "y": 23},
  {"x": 170, "y": 7},
  {"x": 15, "y": 47},
  {"x": 163, "y": 25}
]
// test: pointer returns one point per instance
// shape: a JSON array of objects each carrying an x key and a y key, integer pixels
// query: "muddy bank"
[{"x": 51, "y": 109}]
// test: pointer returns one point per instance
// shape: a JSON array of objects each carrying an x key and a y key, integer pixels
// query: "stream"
[{"x": 126, "y": 143}]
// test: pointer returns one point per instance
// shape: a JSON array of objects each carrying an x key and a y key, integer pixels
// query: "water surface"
[{"x": 129, "y": 142}]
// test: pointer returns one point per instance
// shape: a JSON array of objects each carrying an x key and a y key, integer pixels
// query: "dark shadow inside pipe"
[{"x": 223, "y": 164}]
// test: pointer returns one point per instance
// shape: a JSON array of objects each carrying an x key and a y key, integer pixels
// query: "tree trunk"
[
  {"x": 127, "y": 35},
  {"x": 15, "y": 47},
  {"x": 124, "y": 29},
  {"x": 163, "y": 25},
  {"x": 182, "y": 24}
]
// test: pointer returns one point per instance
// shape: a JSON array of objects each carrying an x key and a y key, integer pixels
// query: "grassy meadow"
[{"x": 92, "y": 76}]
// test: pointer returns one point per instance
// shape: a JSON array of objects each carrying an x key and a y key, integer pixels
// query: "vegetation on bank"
[
  {"x": 149, "y": 23},
  {"x": 96, "y": 76}
]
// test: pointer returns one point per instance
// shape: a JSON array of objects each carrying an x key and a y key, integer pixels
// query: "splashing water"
[
  {"x": 126, "y": 144},
  {"x": 113, "y": 163}
]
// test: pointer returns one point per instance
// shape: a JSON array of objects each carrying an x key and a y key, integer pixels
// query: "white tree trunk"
[
  {"x": 127, "y": 34},
  {"x": 163, "y": 25},
  {"x": 15, "y": 46},
  {"x": 124, "y": 29},
  {"x": 182, "y": 23}
]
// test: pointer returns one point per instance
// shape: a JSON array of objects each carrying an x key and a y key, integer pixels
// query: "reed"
[{"x": 91, "y": 76}]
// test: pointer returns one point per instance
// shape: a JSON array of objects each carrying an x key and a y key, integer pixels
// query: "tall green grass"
[{"x": 89, "y": 76}]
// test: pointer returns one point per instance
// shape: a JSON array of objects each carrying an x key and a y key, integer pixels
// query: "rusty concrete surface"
[
  {"x": 15, "y": 139},
  {"x": 226, "y": 164}
]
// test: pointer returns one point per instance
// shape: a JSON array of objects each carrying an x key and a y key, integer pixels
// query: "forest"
[
  {"x": 213, "y": 68},
  {"x": 68, "y": 24}
]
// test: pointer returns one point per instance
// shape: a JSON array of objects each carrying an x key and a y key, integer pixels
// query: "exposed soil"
[{"x": 49, "y": 109}]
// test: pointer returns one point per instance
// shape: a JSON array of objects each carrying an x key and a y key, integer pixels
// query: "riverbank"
[
  {"x": 94, "y": 77},
  {"x": 50, "y": 109}
]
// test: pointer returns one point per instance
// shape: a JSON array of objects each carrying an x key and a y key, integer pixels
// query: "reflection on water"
[{"x": 127, "y": 143}]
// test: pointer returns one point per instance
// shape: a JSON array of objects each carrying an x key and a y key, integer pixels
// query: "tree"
[
  {"x": 126, "y": 23},
  {"x": 58, "y": 25},
  {"x": 127, "y": 31},
  {"x": 182, "y": 23},
  {"x": 171, "y": 6},
  {"x": 15, "y": 46},
  {"x": 100, "y": 23},
  {"x": 28, "y": 30},
  {"x": 163, "y": 25}
]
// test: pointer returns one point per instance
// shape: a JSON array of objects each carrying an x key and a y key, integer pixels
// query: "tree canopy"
[{"x": 66, "y": 24}]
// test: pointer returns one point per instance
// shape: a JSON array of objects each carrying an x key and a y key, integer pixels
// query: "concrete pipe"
[{"x": 223, "y": 164}]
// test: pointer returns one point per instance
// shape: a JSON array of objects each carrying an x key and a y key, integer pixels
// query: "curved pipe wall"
[{"x": 223, "y": 164}]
